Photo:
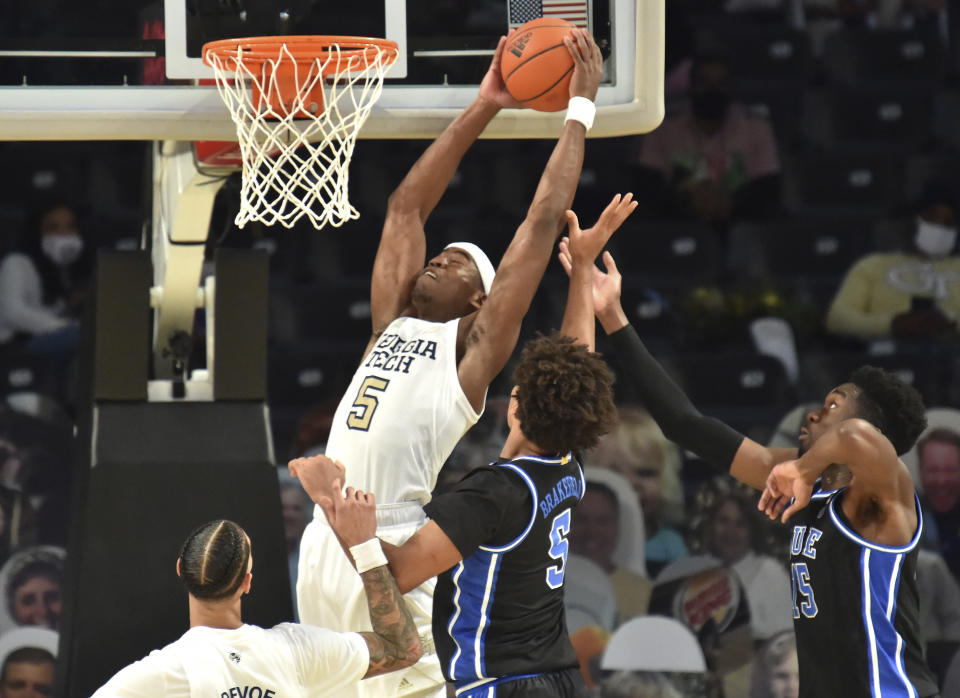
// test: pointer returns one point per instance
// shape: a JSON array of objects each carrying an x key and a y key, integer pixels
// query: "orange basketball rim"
[{"x": 284, "y": 65}]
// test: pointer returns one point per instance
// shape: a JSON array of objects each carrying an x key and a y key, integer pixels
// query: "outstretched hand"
[
  {"x": 352, "y": 517},
  {"x": 784, "y": 483},
  {"x": 492, "y": 87},
  {"x": 585, "y": 245},
  {"x": 317, "y": 475},
  {"x": 587, "y": 64}
]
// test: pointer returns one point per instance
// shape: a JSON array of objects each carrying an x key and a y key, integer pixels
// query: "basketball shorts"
[
  {"x": 567, "y": 683},
  {"x": 330, "y": 594}
]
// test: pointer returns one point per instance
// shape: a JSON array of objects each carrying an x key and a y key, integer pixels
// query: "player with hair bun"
[{"x": 220, "y": 655}]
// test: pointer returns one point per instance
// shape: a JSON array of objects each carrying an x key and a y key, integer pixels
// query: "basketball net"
[{"x": 298, "y": 113}]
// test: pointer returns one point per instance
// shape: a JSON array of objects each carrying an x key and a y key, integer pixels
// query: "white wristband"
[
  {"x": 581, "y": 109},
  {"x": 368, "y": 555}
]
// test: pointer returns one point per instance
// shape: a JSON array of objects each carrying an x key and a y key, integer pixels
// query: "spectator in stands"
[
  {"x": 939, "y": 594},
  {"x": 911, "y": 295},
  {"x": 31, "y": 582},
  {"x": 610, "y": 532},
  {"x": 27, "y": 673},
  {"x": 636, "y": 684},
  {"x": 711, "y": 161},
  {"x": 639, "y": 451},
  {"x": 313, "y": 430},
  {"x": 730, "y": 529},
  {"x": 776, "y": 674},
  {"x": 938, "y": 463},
  {"x": 42, "y": 283}
]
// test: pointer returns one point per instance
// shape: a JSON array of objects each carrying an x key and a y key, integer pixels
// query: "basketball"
[{"x": 536, "y": 65}]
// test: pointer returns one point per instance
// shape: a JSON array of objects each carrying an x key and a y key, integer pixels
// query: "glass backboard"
[{"x": 128, "y": 69}]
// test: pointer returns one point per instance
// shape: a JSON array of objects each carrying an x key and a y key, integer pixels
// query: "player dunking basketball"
[
  {"x": 854, "y": 545},
  {"x": 441, "y": 333}
]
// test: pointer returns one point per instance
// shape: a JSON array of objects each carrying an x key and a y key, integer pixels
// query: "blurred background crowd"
[{"x": 798, "y": 218}]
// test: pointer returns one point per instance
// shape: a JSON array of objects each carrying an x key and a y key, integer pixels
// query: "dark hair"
[
  {"x": 889, "y": 404},
  {"x": 52, "y": 278},
  {"x": 606, "y": 491},
  {"x": 744, "y": 502},
  {"x": 564, "y": 394},
  {"x": 941, "y": 435},
  {"x": 35, "y": 568},
  {"x": 213, "y": 560},
  {"x": 26, "y": 655}
]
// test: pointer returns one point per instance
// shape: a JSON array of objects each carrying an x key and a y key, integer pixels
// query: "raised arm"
[
  {"x": 495, "y": 328},
  {"x": 402, "y": 250},
  {"x": 577, "y": 254},
  {"x": 880, "y": 479},
  {"x": 394, "y": 643},
  {"x": 681, "y": 422}
]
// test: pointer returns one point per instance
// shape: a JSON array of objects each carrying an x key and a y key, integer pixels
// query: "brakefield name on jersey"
[
  {"x": 392, "y": 353},
  {"x": 568, "y": 486},
  {"x": 248, "y": 692}
]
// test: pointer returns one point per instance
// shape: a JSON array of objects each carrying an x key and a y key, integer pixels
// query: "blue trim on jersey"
[
  {"x": 475, "y": 582},
  {"x": 533, "y": 514},
  {"x": 852, "y": 535},
  {"x": 881, "y": 581},
  {"x": 556, "y": 460},
  {"x": 488, "y": 686}
]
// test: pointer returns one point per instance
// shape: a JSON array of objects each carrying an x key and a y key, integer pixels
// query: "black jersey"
[
  {"x": 855, "y": 609},
  {"x": 499, "y": 612}
]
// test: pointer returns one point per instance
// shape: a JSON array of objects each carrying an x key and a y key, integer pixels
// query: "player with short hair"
[
  {"x": 854, "y": 544},
  {"x": 220, "y": 655},
  {"x": 442, "y": 331},
  {"x": 498, "y": 539}
]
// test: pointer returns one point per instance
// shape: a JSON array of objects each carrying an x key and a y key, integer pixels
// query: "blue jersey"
[
  {"x": 499, "y": 612},
  {"x": 855, "y": 609}
]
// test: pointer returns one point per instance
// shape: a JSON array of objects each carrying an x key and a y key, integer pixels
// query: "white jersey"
[
  {"x": 403, "y": 413},
  {"x": 287, "y": 660}
]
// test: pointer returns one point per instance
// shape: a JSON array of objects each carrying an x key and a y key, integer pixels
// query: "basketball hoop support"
[{"x": 183, "y": 204}]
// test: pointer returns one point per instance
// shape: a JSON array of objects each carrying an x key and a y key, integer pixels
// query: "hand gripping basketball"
[
  {"x": 492, "y": 87},
  {"x": 587, "y": 64}
]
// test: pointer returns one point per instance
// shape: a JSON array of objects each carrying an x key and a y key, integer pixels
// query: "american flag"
[{"x": 575, "y": 11}]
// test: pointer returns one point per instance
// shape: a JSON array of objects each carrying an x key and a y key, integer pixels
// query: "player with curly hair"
[
  {"x": 498, "y": 539},
  {"x": 853, "y": 554}
]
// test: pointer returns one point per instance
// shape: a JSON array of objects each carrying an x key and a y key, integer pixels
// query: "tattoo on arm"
[{"x": 394, "y": 642}]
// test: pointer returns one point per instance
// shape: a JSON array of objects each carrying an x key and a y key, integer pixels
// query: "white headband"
[{"x": 487, "y": 272}]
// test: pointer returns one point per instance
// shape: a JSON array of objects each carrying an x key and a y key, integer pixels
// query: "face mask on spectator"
[
  {"x": 63, "y": 249},
  {"x": 934, "y": 239},
  {"x": 710, "y": 104}
]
